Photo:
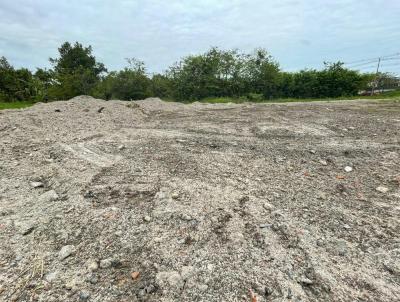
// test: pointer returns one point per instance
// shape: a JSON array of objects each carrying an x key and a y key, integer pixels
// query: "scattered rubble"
[{"x": 159, "y": 201}]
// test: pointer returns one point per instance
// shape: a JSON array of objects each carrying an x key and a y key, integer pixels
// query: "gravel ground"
[{"x": 156, "y": 201}]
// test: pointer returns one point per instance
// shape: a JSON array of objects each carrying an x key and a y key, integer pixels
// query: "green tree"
[
  {"x": 262, "y": 74},
  {"x": 15, "y": 84},
  {"x": 76, "y": 71},
  {"x": 7, "y": 81},
  {"x": 219, "y": 73},
  {"x": 335, "y": 81},
  {"x": 42, "y": 81},
  {"x": 161, "y": 86},
  {"x": 131, "y": 83}
]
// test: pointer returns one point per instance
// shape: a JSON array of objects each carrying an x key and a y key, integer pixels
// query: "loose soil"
[{"x": 159, "y": 201}]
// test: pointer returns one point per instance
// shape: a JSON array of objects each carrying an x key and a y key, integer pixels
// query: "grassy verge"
[
  {"x": 14, "y": 105},
  {"x": 392, "y": 95}
]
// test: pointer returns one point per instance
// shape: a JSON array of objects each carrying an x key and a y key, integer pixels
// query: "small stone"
[
  {"x": 135, "y": 275},
  {"x": 93, "y": 265},
  {"x": 92, "y": 279},
  {"x": 142, "y": 292},
  {"x": 268, "y": 206},
  {"x": 306, "y": 281},
  {"x": 265, "y": 225},
  {"x": 202, "y": 287},
  {"x": 187, "y": 272},
  {"x": 320, "y": 242},
  {"x": 50, "y": 277},
  {"x": 186, "y": 217},
  {"x": 147, "y": 290},
  {"x": 393, "y": 267},
  {"x": 147, "y": 218},
  {"x": 348, "y": 169},
  {"x": 106, "y": 263},
  {"x": 341, "y": 247},
  {"x": 72, "y": 285},
  {"x": 382, "y": 189},
  {"x": 69, "y": 285},
  {"x": 321, "y": 195},
  {"x": 313, "y": 151},
  {"x": 27, "y": 228},
  {"x": 244, "y": 199},
  {"x": 262, "y": 289},
  {"x": 110, "y": 262},
  {"x": 347, "y": 227},
  {"x": 169, "y": 279},
  {"x": 175, "y": 195},
  {"x": 150, "y": 289},
  {"x": 48, "y": 196},
  {"x": 84, "y": 295},
  {"x": 36, "y": 184},
  {"x": 66, "y": 251},
  {"x": 89, "y": 194},
  {"x": 289, "y": 294},
  {"x": 121, "y": 147},
  {"x": 323, "y": 162}
]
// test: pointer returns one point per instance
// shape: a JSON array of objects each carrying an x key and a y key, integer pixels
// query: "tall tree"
[
  {"x": 15, "y": 84},
  {"x": 76, "y": 71},
  {"x": 131, "y": 83}
]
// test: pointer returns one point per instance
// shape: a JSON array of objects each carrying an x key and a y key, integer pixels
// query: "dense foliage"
[
  {"x": 216, "y": 73},
  {"x": 16, "y": 84}
]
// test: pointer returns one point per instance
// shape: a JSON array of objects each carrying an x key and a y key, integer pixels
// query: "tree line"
[{"x": 217, "y": 73}]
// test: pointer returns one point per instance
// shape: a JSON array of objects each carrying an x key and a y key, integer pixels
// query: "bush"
[
  {"x": 216, "y": 74},
  {"x": 255, "y": 97}
]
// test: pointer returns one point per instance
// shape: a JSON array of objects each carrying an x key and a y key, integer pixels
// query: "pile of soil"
[{"x": 160, "y": 201}]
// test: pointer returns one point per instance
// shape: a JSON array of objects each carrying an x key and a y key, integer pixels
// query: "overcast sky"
[{"x": 298, "y": 33}]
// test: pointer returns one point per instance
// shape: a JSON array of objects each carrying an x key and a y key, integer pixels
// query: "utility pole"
[{"x": 376, "y": 77}]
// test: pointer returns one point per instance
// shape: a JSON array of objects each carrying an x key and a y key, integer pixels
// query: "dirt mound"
[
  {"x": 156, "y": 104},
  {"x": 160, "y": 201}
]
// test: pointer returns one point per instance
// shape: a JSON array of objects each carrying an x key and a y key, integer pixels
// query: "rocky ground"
[{"x": 155, "y": 201}]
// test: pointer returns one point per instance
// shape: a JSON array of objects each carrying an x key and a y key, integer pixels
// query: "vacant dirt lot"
[{"x": 155, "y": 201}]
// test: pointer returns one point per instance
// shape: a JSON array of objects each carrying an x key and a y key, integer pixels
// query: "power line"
[
  {"x": 373, "y": 59},
  {"x": 394, "y": 55},
  {"x": 366, "y": 67},
  {"x": 390, "y": 65},
  {"x": 362, "y": 64},
  {"x": 396, "y": 64},
  {"x": 391, "y": 59}
]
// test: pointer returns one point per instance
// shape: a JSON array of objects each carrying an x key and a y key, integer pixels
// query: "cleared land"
[{"x": 156, "y": 201}]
